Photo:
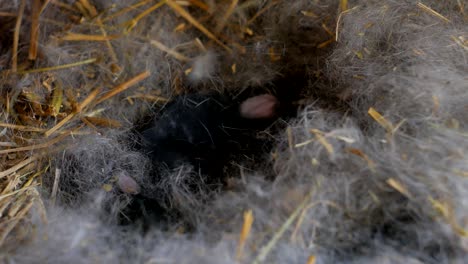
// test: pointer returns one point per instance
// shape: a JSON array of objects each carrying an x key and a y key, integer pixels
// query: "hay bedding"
[{"x": 372, "y": 169}]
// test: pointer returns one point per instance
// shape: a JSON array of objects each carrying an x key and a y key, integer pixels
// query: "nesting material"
[{"x": 372, "y": 169}]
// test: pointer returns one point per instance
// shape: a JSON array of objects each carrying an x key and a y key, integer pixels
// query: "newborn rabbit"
[{"x": 202, "y": 130}]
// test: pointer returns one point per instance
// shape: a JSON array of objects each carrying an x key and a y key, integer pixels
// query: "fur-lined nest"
[{"x": 373, "y": 168}]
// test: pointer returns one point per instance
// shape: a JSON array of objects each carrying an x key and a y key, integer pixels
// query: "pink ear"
[
  {"x": 260, "y": 106},
  {"x": 127, "y": 184}
]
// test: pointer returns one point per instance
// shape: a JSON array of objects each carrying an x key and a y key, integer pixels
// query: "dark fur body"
[{"x": 201, "y": 130}]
